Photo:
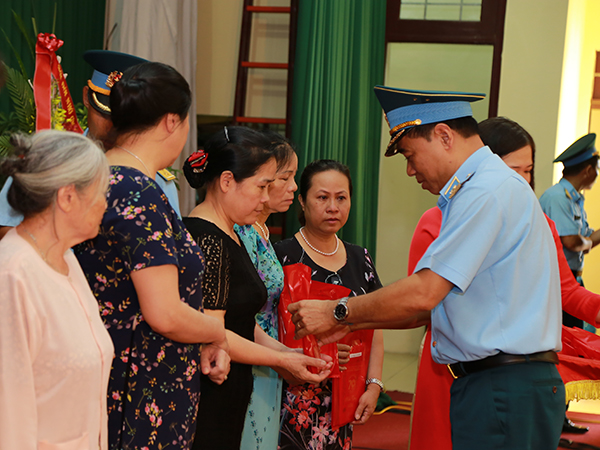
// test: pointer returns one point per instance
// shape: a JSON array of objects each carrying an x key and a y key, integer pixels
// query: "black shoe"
[{"x": 570, "y": 427}]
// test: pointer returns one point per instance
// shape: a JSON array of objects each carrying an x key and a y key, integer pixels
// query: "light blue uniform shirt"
[
  {"x": 563, "y": 204},
  {"x": 10, "y": 218},
  {"x": 496, "y": 247}
]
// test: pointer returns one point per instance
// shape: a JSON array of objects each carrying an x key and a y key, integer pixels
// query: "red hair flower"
[{"x": 198, "y": 161}]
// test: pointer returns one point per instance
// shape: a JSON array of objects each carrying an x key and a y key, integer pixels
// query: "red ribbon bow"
[
  {"x": 50, "y": 41},
  {"x": 198, "y": 161},
  {"x": 46, "y": 66}
]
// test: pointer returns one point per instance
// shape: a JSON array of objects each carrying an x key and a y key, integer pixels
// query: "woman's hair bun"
[
  {"x": 240, "y": 150},
  {"x": 18, "y": 162},
  {"x": 194, "y": 167},
  {"x": 145, "y": 93}
]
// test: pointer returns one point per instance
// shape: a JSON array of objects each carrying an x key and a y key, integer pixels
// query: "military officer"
[
  {"x": 563, "y": 203},
  {"x": 489, "y": 282}
]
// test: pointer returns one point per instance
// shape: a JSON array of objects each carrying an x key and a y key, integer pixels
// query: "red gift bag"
[
  {"x": 348, "y": 385},
  {"x": 296, "y": 287}
]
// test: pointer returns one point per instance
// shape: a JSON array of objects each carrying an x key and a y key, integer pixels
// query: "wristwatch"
[
  {"x": 377, "y": 382},
  {"x": 341, "y": 310}
]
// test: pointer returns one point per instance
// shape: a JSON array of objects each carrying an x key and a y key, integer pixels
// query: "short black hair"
[
  {"x": 504, "y": 136},
  {"x": 281, "y": 147},
  {"x": 464, "y": 126},
  {"x": 577, "y": 168}
]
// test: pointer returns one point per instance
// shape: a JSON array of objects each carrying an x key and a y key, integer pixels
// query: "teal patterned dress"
[
  {"x": 261, "y": 429},
  {"x": 154, "y": 385}
]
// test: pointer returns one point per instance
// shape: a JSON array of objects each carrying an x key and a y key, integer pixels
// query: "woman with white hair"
[{"x": 55, "y": 353}]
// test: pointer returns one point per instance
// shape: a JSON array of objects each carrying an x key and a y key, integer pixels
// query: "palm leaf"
[
  {"x": 17, "y": 56},
  {"x": 5, "y": 147},
  {"x": 8, "y": 123},
  {"x": 54, "y": 21},
  {"x": 33, "y": 16},
  {"x": 22, "y": 99},
  {"x": 21, "y": 25}
]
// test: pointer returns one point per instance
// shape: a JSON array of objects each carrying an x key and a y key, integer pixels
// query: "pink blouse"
[{"x": 55, "y": 354}]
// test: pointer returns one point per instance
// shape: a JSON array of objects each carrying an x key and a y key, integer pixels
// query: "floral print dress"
[
  {"x": 306, "y": 412},
  {"x": 261, "y": 429},
  {"x": 154, "y": 387}
]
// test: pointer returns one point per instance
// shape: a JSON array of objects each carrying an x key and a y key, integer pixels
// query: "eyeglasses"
[{"x": 334, "y": 278}]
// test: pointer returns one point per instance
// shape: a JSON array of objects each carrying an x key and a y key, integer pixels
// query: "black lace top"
[{"x": 230, "y": 280}]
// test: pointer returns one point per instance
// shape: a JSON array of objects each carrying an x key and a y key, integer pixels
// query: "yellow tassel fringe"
[{"x": 582, "y": 390}]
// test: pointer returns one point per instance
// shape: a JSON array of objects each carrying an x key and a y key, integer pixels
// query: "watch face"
[{"x": 340, "y": 312}]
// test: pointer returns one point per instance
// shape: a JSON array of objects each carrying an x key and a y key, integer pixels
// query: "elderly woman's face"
[
  {"x": 327, "y": 202},
  {"x": 92, "y": 208}
]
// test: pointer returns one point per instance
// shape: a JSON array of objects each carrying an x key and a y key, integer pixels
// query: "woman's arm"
[
  {"x": 268, "y": 352},
  {"x": 368, "y": 401},
  {"x": 157, "y": 288},
  {"x": 158, "y": 292}
]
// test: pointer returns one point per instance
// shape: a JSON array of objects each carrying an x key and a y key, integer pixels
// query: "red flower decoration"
[{"x": 198, "y": 161}]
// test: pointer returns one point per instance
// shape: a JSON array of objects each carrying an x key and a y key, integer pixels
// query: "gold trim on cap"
[
  {"x": 391, "y": 149},
  {"x": 432, "y": 94},
  {"x": 98, "y": 89},
  {"x": 410, "y": 123},
  {"x": 100, "y": 105}
]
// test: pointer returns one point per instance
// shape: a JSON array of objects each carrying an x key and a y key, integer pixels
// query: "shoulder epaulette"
[{"x": 168, "y": 176}]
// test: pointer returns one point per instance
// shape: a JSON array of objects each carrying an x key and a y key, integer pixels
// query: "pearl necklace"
[
  {"x": 337, "y": 244},
  {"x": 136, "y": 157},
  {"x": 266, "y": 233}
]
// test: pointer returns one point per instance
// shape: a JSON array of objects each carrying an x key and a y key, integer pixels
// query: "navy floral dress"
[
  {"x": 154, "y": 386},
  {"x": 306, "y": 412}
]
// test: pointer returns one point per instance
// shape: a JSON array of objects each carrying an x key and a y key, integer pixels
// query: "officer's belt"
[{"x": 462, "y": 369}]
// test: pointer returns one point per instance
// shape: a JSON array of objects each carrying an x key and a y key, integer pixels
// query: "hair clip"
[
  {"x": 226, "y": 134},
  {"x": 198, "y": 161}
]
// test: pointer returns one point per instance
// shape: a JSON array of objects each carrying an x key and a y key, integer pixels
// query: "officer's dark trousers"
[{"x": 514, "y": 407}]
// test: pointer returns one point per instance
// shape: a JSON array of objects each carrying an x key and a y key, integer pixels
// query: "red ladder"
[{"x": 244, "y": 65}]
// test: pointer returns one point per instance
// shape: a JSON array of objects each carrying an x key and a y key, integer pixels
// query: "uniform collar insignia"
[{"x": 455, "y": 186}]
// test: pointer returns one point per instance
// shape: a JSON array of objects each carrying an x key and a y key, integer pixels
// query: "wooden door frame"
[{"x": 488, "y": 31}]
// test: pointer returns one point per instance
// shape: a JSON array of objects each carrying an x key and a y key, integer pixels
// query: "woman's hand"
[
  {"x": 343, "y": 355},
  {"x": 215, "y": 361},
  {"x": 294, "y": 367},
  {"x": 366, "y": 404}
]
